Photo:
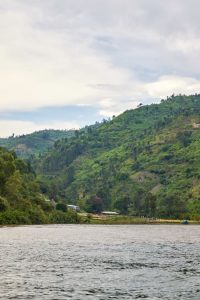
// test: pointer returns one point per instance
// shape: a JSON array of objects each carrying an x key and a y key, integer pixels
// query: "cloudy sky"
[{"x": 67, "y": 63}]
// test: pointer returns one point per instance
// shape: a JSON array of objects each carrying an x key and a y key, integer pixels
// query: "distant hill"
[
  {"x": 145, "y": 162},
  {"x": 35, "y": 143}
]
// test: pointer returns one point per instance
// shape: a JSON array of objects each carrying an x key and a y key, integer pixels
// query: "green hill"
[
  {"x": 34, "y": 143},
  {"x": 145, "y": 162}
]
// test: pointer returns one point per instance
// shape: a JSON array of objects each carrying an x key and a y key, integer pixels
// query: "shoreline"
[
  {"x": 126, "y": 220},
  {"x": 95, "y": 219}
]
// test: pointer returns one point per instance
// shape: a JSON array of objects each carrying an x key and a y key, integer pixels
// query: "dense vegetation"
[
  {"x": 145, "y": 162},
  {"x": 21, "y": 201},
  {"x": 35, "y": 143}
]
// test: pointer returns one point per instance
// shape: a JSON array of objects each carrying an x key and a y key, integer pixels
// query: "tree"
[
  {"x": 61, "y": 206},
  {"x": 3, "y": 204},
  {"x": 94, "y": 204}
]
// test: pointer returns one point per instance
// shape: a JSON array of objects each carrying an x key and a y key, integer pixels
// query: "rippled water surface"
[{"x": 100, "y": 262}]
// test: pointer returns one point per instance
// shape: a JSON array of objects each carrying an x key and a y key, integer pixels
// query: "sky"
[{"x": 68, "y": 63}]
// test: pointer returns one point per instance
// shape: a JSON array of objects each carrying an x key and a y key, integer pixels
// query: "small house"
[
  {"x": 109, "y": 213},
  {"x": 73, "y": 207}
]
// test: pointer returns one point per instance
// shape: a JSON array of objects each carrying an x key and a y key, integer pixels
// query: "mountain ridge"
[{"x": 144, "y": 162}]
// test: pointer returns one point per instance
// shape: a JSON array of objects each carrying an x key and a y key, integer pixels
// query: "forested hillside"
[
  {"x": 35, "y": 143},
  {"x": 145, "y": 162},
  {"x": 21, "y": 200}
]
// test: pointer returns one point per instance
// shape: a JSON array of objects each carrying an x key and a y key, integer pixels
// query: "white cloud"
[
  {"x": 47, "y": 67},
  {"x": 168, "y": 85},
  {"x": 109, "y": 113},
  {"x": 7, "y": 128},
  {"x": 108, "y": 54}
]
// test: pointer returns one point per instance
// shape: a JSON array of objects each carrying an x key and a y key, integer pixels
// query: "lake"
[{"x": 100, "y": 262}]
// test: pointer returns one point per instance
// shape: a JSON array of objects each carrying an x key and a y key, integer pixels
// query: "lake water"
[{"x": 100, "y": 262}]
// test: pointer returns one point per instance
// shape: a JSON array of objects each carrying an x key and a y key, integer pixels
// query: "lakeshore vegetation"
[{"x": 145, "y": 163}]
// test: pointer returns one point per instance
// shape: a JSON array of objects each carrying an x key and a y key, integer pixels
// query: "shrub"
[
  {"x": 60, "y": 217},
  {"x": 15, "y": 217},
  {"x": 37, "y": 216}
]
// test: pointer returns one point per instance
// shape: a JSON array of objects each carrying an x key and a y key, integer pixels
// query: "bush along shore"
[
  {"x": 38, "y": 217},
  {"x": 16, "y": 217}
]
